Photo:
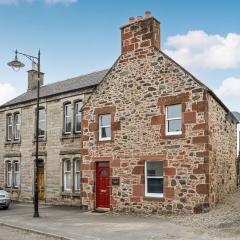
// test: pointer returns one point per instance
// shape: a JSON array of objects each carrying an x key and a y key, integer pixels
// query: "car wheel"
[{"x": 5, "y": 207}]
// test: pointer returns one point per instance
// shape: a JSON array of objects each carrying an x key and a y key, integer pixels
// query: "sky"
[{"x": 81, "y": 36}]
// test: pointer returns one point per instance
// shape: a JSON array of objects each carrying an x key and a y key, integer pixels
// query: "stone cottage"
[
  {"x": 155, "y": 138},
  {"x": 143, "y": 136}
]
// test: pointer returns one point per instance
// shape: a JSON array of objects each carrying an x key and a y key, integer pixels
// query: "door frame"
[
  {"x": 110, "y": 189},
  {"x": 41, "y": 164}
]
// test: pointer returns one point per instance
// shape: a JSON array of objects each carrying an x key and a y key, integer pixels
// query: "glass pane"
[
  {"x": 16, "y": 167},
  {"x": 174, "y": 125},
  {"x": 77, "y": 181},
  {"x": 17, "y": 179},
  {"x": 9, "y": 179},
  {"x": 105, "y": 120},
  {"x": 155, "y": 185},
  {"x": 78, "y": 107},
  {"x": 17, "y": 119},
  {"x": 104, "y": 172},
  {"x": 174, "y": 111},
  {"x": 68, "y": 165},
  {"x": 42, "y": 114},
  {"x": 68, "y": 111},
  {"x": 103, "y": 164},
  {"x": 9, "y": 120},
  {"x": 78, "y": 123},
  {"x": 106, "y": 132},
  {"x": 68, "y": 124},
  {"x": 77, "y": 165},
  {"x": 9, "y": 169},
  {"x": 155, "y": 168},
  {"x": 17, "y": 131},
  {"x": 68, "y": 180},
  {"x": 9, "y": 132}
]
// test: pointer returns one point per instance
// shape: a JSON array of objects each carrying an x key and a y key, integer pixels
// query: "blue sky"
[{"x": 81, "y": 36}]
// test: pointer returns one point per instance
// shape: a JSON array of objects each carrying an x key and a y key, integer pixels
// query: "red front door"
[{"x": 102, "y": 185}]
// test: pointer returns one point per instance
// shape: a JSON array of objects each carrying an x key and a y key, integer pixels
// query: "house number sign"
[{"x": 115, "y": 181}]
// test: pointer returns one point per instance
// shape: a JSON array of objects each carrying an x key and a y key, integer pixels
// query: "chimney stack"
[
  {"x": 142, "y": 34},
  {"x": 148, "y": 14},
  {"x": 33, "y": 78}
]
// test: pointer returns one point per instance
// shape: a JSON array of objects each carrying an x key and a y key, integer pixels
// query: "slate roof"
[
  {"x": 237, "y": 115},
  {"x": 72, "y": 84}
]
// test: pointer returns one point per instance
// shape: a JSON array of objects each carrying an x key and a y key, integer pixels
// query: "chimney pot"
[
  {"x": 148, "y": 14},
  {"x": 139, "y": 18},
  {"x": 131, "y": 20}
]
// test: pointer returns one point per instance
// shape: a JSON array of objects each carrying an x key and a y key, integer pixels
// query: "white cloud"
[
  {"x": 47, "y": 2},
  {"x": 199, "y": 50},
  {"x": 229, "y": 91},
  {"x": 7, "y": 92},
  {"x": 230, "y": 87}
]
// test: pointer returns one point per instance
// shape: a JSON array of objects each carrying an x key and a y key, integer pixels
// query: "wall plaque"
[{"x": 115, "y": 181}]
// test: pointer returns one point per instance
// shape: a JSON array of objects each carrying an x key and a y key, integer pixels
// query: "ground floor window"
[
  {"x": 77, "y": 175},
  {"x": 71, "y": 175},
  {"x": 154, "y": 178},
  {"x": 12, "y": 174}
]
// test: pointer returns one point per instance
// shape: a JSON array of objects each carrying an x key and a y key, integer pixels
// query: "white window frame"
[
  {"x": 16, "y": 125},
  {"x": 147, "y": 194},
  {"x": 67, "y": 116},
  {"x": 75, "y": 175},
  {"x": 169, "y": 119},
  {"x": 65, "y": 172},
  {"x": 9, "y": 124},
  {"x": 104, "y": 126},
  {"x": 77, "y": 114},
  {"x": 42, "y": 120},
  {"x": 9, "y": 174},
  {"x": 16, "y": 173}
]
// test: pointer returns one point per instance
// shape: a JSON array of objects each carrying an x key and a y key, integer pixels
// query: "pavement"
[{"x": 72, "y": 223}]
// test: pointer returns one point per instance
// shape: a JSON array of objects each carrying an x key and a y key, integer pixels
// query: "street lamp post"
[{"x": 16, "y": 65}]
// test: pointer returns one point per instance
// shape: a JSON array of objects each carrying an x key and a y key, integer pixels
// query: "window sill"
[
  {"x": 40, "y": 139},
  {"x": 156, "y": 199},
  {"x": 12, "y": 142},
  {"x": 70, "y": 136}
]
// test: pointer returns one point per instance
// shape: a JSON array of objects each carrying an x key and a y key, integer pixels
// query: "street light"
[{"x": 16, "y": 65}]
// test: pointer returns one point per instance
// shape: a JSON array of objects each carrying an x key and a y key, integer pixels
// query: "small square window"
[{"x": 174, "y": 119}]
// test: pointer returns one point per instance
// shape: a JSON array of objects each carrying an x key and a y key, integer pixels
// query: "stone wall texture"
[
  {"x": 139, "y": 86},
  {"x": 199, "y": 164},
  {"x": 53, "y": 149}
]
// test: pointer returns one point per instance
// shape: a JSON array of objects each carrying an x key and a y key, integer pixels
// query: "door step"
[{"x": 102, "y": 210}]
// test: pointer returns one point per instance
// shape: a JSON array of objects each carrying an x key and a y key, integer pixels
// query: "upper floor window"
[
  {"x": 67, "y": 118},
  {"x": 174, "y": 119},
  {"x": 67, "y": 175},
  {"x": 154, "y": 178},
  {"x": 17, "y": 125},
  {"x": 42, "y": 122},
  {"x": 105, "y": 127},
  {"x": 9, "y": 127},
  {"x": 78, "y": 115},
  {"x": 77, "y": 175}
]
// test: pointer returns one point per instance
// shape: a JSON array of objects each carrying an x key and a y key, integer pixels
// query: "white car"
[{"x": 5, "y": 199}]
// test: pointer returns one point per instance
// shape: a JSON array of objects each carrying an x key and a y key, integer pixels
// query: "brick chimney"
[
  {"x": 33, "y": 78},
  {"x": 140, "y": 34}
]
